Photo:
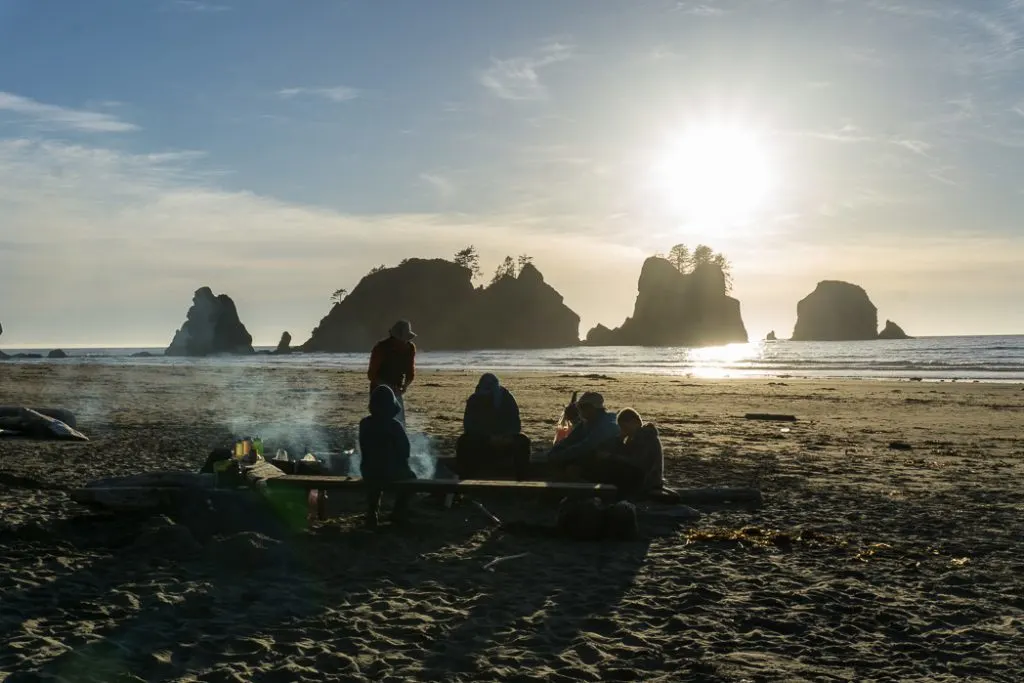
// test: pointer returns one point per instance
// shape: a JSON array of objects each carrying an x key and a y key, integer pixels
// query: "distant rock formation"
[
  {"x": 56, "y": 354},
  {"x": 840, "y": 311},
  {"x": 285, "y": 345},
  {"x": 893, "y": 331},
  {"x": 771, "y": 336},
  {"x": 677, "y": 309},
  {"x": 2, "y": 354},
  {"x": 447, "y": 312},
  {"x": 836, "y": 311},
  {"x": 211, "y": 327}
]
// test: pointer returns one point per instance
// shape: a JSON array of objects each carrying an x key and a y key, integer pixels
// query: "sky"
[{"x": 277, "y": 150}]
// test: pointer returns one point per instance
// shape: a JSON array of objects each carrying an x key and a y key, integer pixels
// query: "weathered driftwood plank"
[
  {"x": 146, "y": 491},
  {"x": 133, "y": 498},
  {"x": 325, "y": 483},
  {"x": 259, "y": 473},
  {"x": 776, "y": 417},
  {"x": 163, "y": 479},
  {"x": 62, "y": 414}
]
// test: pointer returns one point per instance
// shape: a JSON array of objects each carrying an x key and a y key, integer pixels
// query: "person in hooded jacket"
[
  {"x": 596, "y": 433},
  {"x": 636, "y": 465},
  {"x": 492, "y": 438},
  {"x": 384, "y": 449}
]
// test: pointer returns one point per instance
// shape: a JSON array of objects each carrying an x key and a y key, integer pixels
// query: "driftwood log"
[
  {"x": 147, "y": 491},
  {"x": 32, "y": 424},
  {"x": 775, "y": 417},
  {"x": 62, "y": 414}
]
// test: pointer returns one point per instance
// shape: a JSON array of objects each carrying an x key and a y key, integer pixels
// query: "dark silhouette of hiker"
[
  {"x": 492, "y": 439},
  {"x": 393, "y": 363},
  {"x": 384, "y": 448}
]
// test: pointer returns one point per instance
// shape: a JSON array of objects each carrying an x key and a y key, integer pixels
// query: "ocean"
[{"x": 988, "y": 358}]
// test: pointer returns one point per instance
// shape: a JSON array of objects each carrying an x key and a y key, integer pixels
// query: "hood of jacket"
[{"x": 383, "y": 403}]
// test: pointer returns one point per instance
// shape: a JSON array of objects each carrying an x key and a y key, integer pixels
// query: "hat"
[
  {"x": 403, "y": 330},
  {"x": 592, "y": 399}
]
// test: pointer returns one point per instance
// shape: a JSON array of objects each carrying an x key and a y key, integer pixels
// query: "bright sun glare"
[{"x": 714, "y": 175}]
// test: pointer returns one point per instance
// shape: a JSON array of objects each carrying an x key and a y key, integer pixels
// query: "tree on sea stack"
[
  {"x": 507, "y": 268},
  {"x": 339, "y": 295},
  {"x": 469, "y": 259},
  {"x": 726, "y": 268},
  {"x": 679, "y": 256}
]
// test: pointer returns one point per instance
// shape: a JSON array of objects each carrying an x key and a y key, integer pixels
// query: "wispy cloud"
[
  {"x": 701, "y": 9},
  {"x": 848, "y": 133},
  {"x": 518, "y": 78},
  {"x": 54, "y": 117},
  {"x": 335, "y": 93},
  {"x": 197, "y": 6},
  {"x": 444, "y": 186},
  {"x": 919, "y": 147}
]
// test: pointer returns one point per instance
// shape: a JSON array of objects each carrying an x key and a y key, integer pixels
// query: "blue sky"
[{"x": 277, "y": 150}]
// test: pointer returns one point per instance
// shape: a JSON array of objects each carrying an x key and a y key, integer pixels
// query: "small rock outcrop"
[
  {"x": 677, "y": 309},
  {"x": 211, "y": 327},
  {"x": 2, "y": 354},
  {"x": 836, "y": 311},
  {"x": 893, "y": 331},
  {"x": 56, "y": 354},
  {"x": 771, "y": 336},
  {"x": 447, "y": 311},
  {"x": 285, "y": 345}
]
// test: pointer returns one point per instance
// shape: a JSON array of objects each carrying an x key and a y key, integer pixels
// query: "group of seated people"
[{"x": 601, "y": 447}]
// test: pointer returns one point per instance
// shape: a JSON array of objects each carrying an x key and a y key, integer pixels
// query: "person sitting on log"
[
  {"x": 492, "y": 436},
  {"x": 598, "y": 431},
  {"x": 384, "y": 449},
  {"x": 636, "y": 464}
]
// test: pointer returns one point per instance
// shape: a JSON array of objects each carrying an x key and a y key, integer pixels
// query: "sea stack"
[
  {"x": 677, "y": 309},
  {"x": 516, "y": 311},
  {"x": 893, "y": 331},
  {"x": 285, "y": 345},
  {"x": 211, "y": 327},
  {"x": 836, "y": 311}
]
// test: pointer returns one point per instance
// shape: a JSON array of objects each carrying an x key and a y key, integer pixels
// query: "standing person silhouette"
[{"x": 393, "y": 363}]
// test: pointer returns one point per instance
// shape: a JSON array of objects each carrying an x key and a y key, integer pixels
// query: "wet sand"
[{"x": 866, "y": 562}]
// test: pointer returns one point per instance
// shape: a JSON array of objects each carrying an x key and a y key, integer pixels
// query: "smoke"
[
  {"x": 235, "y": 396},
  {"x": 422, "y": 453},
  {"x": 423, "y": 458}
]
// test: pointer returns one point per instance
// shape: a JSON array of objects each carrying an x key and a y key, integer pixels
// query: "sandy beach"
[{"x": 866, "y": 562}]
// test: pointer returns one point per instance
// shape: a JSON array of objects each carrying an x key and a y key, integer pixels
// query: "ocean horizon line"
[{"x": 40, "y": 347}]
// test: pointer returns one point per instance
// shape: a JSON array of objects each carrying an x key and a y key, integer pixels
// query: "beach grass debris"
[
  {"x": 764, "y": 538},
  {"x": 498, "y": 560}
]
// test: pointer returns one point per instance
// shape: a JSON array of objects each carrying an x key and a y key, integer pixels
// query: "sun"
[{"x": 714, "y": 175}]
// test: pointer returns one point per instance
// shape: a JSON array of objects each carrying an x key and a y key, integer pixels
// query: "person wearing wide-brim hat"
[{"x": 393, "y": 362}]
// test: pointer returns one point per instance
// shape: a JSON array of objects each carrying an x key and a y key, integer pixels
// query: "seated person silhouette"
[
  {"x": 384, "y": 448},
  {"x": 635, "y": 464},
  {"x": 596, "y": 432},
  {"x": 492, "y": 440}
]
